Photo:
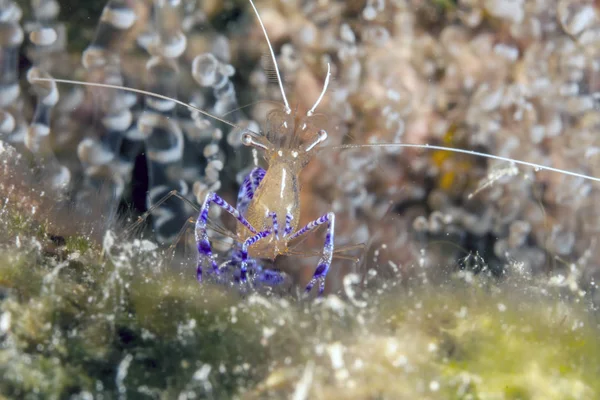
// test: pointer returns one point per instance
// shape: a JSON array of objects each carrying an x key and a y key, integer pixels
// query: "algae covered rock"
[
  {"x": 115, "y": 322},
  {"x": 82, "y": 318}
]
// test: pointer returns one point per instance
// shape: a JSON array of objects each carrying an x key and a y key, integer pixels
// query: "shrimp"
[
  {"x": 269, "y": 197},
  {"x": 268, "y": 203}
]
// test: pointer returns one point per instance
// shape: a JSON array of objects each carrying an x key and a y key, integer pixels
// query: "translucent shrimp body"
[
  {"x": 278, "y": 194},
  {"x": 268, "y": 198},
  {"x": 272, "y": 197}
]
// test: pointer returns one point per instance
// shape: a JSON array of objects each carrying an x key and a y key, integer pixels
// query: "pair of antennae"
[
  {"x": 247, "y": 140},
  {"x": 288, "y": 110}
]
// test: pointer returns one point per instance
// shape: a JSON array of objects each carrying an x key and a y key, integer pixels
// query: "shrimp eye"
[
  {"x": 247, "y": 139},
  {"x": 321, "y": 136}
]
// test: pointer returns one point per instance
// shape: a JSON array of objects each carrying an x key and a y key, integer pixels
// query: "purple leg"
[
  {"x": 325, "y": 261},
  {"x": 288, "y": 225},
  {"x": 270, "y": 277},
  {"x": 202, "y": 242},
  {"x": 244, "y": 252},
  {"x": 248, "y": 188},
  {"x": 261, "y": 276},
  {"x": 275, "y": 224}
]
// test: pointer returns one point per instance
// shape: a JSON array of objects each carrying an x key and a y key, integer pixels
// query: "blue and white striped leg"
[
  {"x": 325, "y": 261},
  {"x": 249, "y": 186},
  {"x": 260, "y": 275},
  {"x": 244, "y": 252},
  {"x": 269, "y": 277},
  {"x": 288, "y": 225},
  {"x": 275, "y": 225},
  {"x": 202, "y": 242}
]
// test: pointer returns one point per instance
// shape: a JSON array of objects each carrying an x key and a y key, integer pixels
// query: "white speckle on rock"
[
  {"x": 462, "y": 313},
  {"x": 334, "y": 303},
  {"x": 202, "y": 373},
  {"x": 233, "y": 311},
  {"x": 108, "y": 241},
  {"x": 303, "y": 386},
  {"x": 358, "y": 364},
  {"x": 391, "y": 347},
  {"x": 146, "y": 245},
  {"x": 122, "y": 370},
  {"x": 336, "y": 354},
  {"x": 268, "y": 332},
  {"x": 434, "y": 386},
  {"x": 401, "y": 361},
  {"x": 85, "y": 396},
  {"x": 257, "y": 299},
  {"x": 5, "y": 321}
]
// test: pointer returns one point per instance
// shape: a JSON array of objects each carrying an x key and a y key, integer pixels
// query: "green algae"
[
  {"x": 514, "y": 346},
  {"x": 79, "y": 244}
]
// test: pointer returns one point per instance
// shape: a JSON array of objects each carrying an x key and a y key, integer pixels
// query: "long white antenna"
[
  {"x": 537, "y": 167},
  {"x": 144, "y": 92},
  {"x": 287, "y": 106},
  {"x": 312, "y": 110}
]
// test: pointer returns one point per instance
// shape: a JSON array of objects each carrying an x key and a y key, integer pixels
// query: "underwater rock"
[{"x": 83, "y": 322}]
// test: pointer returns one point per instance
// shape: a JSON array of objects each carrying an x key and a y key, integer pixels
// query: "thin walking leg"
[
  {"x": 248, "y": 188},
  {"x": 244, "y": 252},
  {"x": 259, "y": 275},
  {"x": 144, "y": 216},
  {"x": 275, "y": 225},
  {"x": 288, "y": 225},
  {"x": 182, "y": 231},
  {"x": 325, "y": 261},
  {"x": 202, "y": 242}
]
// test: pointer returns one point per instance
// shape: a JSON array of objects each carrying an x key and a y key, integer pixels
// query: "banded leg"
[
  {"x": 235, "y": 262},
  {"x": 288, "y": 225},
  {"x": 202, "y": 242},
  {"x": 325, "y": 261},
  {"x": 249, "y": 186},
  {"x": 173, "y": 193},
  {"x": 244, "y": 252},
  {"x": 269, "y": 277},
  {"x": 260, "y": 275},
  {"x": 275, "y": 224}
]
